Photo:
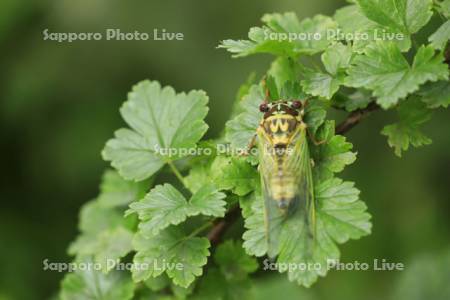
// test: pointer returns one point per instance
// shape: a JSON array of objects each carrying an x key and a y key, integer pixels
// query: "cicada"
[{"x": 285, "y": 167}]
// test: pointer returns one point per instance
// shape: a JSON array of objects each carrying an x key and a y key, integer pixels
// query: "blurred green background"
[{"x": 59, "y": 104}]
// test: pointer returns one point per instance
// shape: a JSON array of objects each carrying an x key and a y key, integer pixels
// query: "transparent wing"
[
  {"x": 299, "y": 162},
  {"x": 273, "y": 215}
]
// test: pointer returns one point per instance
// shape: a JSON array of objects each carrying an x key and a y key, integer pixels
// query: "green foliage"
[
  {"x": 358, "y": 100},
  {"x": 335, "y": 60},
  {"x": 340, "y": 216},
  {"x": 92, "y": 284},
  {"x": 241, "y": 129},
  {"x": 114, "y": 191},
  {"x": 234, "y": 263},
  {"x": 440, "y": 38},
  {"x": 436, "y": 94},
  {"x": 234, "y": 174},
  {"x": 162, "y": 123},
  {"x": 354, "y": 24},
  {"x": 386, "y": 71},
  {"x": 165, "y": 206},
  {"x": 182, "y": 222},
  {"x": 406, "y": 131},
  {"x": 444, "y": 8},
  {"x": 333, "y": 155},
  {"x": 280, "y": 36},
  {"x": 230, "y": 280},
  {"x": 105, "y": 234},
  {"x": 171, "y": 251},
  {"x": 407, "y": 16}
]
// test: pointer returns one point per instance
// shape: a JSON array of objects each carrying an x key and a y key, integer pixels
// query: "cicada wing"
[
  {"x": 296, "y": 167},
  {"x": 273, "y": 215},
  {"x": 298, "y": 162}
]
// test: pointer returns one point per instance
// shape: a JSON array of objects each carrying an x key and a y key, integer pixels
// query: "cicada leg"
[
  {"x": 313, "y": 139},
  {"x": 250, "y": 146}
]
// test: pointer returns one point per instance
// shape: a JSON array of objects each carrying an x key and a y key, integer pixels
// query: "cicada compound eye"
[
  {"x": 296, "y": 104},
  {"x": 264, "y": 107}
]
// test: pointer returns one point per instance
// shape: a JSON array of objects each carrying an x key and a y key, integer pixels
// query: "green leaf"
[
  {"x": 440, "y": 38},
  {"x": 94, "y": 218},
  {"x": 315, "y": 27},
  {"x": 111, "y": 246},
  {"x": 244, "y": 89},
  {"x": 356, "y": 28},
  {"x": 162, "y": 123},
  {"x": 92, "y": 284},
  {"x": 358, "y": 100},
  {"x": 344, "y": 216},
  {"x": 315, "y": 114},
  {"x": 164, "y": 205},
  {"x": 192, "y": 255},
  {"x": 255, "y": 241},
  {"x": 320, "y": 84},
  {"x": 407, "y": 16},
  {"x": 241, "y": 129},
  {"x": 333, "y": 155},
  {"x": 283, "y": 70},
  {"x": 335, "y": 59},
  {"x": 340, "y": 216},
  {"x": 297, "y": 247},
  {"x": 207, "y": 201},
  {"x": 214, "y": 285},
  {"x": 199, "y": 173},
  {"x": 132, "y": 155},
  {"x": 412, "y": 113},
  {"x": 436, "y": 94},
  {"x": 284, "y": 35},
  {"x": 198, "y": 176},
  {"x": 170, "y": 251},
  {"x": 245, "y": 203},
  {"x": 157, "y": 283},
  {"x": 181, "y": 292},
  {"x": 385, "y": 70},
  {"x": 292, "y": 90},
  {"x": 115, "y": 191},
  {"x": 103, "y": 235},
  {"x": 234, "y": 263},
  {"x": 94, "y": 221},
  {"x": 235, "y": 174},
  {"x": 444, "y": 8},
  {"x": 272, "y": 87}
]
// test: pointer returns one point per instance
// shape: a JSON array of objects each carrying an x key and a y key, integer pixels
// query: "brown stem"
[
  {"x": 355, "y": 117},
  {"x": 219, "y": 228}
]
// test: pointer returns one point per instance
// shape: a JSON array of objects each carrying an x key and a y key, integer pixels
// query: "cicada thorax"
[{"x": 280, "y": 127}]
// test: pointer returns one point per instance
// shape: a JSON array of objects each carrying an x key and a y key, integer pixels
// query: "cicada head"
[{"x": 280, "y": 120}]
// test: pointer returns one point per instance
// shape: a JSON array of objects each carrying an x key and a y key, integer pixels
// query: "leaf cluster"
[{"x": 163, "y": 226}]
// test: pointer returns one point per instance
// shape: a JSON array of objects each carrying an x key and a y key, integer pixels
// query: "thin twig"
[
  {"x": 219, "y": 228},
  {"x": 355, "y": 117},
  {"x": 447, "y": 55},
  {"x": 176, "y": 172}
]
